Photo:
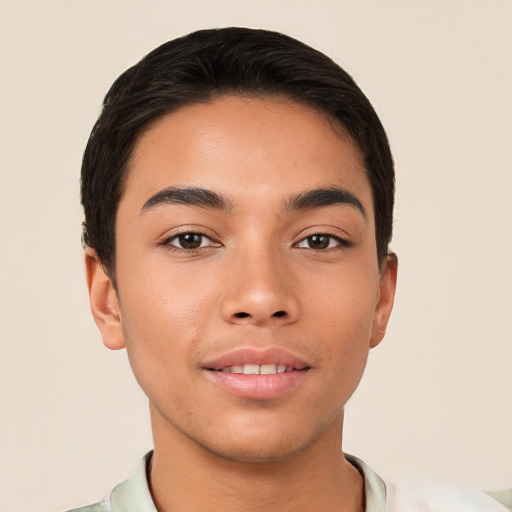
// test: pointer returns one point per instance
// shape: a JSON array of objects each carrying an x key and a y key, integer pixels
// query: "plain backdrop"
[{"x": 436, "y": 400}]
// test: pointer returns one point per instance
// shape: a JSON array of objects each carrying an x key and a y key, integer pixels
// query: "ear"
[
  {"x": 387, "y": 288},
  {"x": 104, "y": 303}
]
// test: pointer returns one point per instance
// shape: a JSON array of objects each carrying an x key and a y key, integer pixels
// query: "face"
[{"x": 249, "y": 291}]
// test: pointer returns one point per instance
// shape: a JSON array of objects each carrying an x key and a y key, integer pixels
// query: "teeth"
[
  {"x": 256, "y": 369},
  {"x": 268, "y": 369},
  {"x": 251, "y": 369}
]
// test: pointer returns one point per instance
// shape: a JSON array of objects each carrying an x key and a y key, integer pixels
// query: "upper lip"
[{"x": 249, "y": 355}]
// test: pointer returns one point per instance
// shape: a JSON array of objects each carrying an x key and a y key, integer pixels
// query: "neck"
[{"x": 185, "y": 477}]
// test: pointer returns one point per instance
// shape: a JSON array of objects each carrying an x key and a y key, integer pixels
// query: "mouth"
[
  {"x": 254, "y": 361},
  {"x": 257, "y": 374},
  {"x": 257, "y": 369}
]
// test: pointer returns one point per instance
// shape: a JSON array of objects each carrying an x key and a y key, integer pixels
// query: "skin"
[{"x": 177, "y": 308}]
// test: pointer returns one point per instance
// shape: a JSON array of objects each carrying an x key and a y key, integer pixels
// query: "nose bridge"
[{"x": 260, "y": 288}]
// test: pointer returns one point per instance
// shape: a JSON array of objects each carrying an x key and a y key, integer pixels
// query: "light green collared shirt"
[{"x": 133, "y": 496}]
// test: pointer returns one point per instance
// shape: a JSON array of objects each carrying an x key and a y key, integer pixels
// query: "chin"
[
  {"x": 259, "y": 446},
  {"x": 250, "y": 438},
  {"x": 257, "y": 453}
]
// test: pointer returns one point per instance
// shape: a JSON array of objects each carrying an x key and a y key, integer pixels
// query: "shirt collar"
[
  {"x": 133, "y": 495},
  {"x": 374, "y": 486}
]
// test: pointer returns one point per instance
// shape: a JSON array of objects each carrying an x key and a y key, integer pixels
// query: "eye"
[
  {"x": 321, "y": 242},
  {"x": 190, "y": 241}
]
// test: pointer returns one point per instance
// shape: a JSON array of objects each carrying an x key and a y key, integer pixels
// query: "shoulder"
[
  {"x": 440, "y": 498},
  {"x": 100, "y": 506},
  {"x": 132, "y": 495},
  {"x": 504, "y": 496},
  {"x": 388, "y": 496}
]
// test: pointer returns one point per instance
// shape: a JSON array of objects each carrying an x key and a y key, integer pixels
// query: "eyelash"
[
  {"x": 169, "y": 246},
  {"x": 340, "y": 242}
]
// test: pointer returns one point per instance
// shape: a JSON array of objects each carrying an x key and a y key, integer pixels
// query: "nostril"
[
  {"x": 242, "y": 314},
  {"x": 279, "y": 314}
]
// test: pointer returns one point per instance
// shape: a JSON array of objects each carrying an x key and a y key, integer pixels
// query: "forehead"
[{"x": 246, "y": 148}]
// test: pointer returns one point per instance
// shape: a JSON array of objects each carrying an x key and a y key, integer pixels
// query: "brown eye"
[
  {"x": 318, "y": 241},
  {"x": 322, "y": 241},
  {"x": 190, "y": 240}
]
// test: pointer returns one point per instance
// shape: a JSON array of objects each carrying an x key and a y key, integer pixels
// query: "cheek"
[
  {"x": 345, "y": 299},
  {"x": 167, "y": 317},
  {"x": 164, "y": 317},
  {"x": 344, "y": 315},
  {"x": 166, "y": 297}
]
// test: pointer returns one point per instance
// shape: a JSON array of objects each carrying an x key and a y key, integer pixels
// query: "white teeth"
[
  {"x": 256, "y": 369},
  {"x": 251, "y": 369},
  {"x": 268, "y": 369}
]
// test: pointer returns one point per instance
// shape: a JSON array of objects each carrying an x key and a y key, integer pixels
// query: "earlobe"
[
  {"x": 104, "y": 303},
  {"x": 387, "y": 290}
]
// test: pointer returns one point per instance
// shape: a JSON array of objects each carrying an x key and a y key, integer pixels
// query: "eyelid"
[
  {"x": 165, "y": 241},
  {"x": 340, "y": 242},
  {"x": 203, "y": 237},
  {"x": 332, "y": 231}
]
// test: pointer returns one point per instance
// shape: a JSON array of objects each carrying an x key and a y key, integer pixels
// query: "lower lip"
[{"x": 257, "y": 387}]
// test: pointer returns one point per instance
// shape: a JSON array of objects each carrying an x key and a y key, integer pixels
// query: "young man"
[{"x": 238, "y": 193}]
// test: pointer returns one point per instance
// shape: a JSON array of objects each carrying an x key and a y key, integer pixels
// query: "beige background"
[{"x": 436, "y": 401}]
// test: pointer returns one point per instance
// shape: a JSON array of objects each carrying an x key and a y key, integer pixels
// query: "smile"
[
  {"x": 257, "y": 369},
  {"x": 257, "y": 374}
]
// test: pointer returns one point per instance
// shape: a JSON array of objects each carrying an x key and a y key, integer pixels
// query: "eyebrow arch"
[
  {"x": 322, "y": 197},
  {"x": 190, "y": 196}
]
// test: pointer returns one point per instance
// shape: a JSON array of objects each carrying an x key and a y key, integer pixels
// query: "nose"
[{"x": 260, "y": 290}]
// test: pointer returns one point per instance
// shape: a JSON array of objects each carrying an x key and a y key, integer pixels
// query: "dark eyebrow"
[
  {"x": 321, "y": 197},
  {"x": 190, "y": 196}
]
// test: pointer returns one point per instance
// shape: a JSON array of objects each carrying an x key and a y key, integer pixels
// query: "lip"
[
  {"x": 257, "y": 387},
  {"x": 248, "y": 355}
]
